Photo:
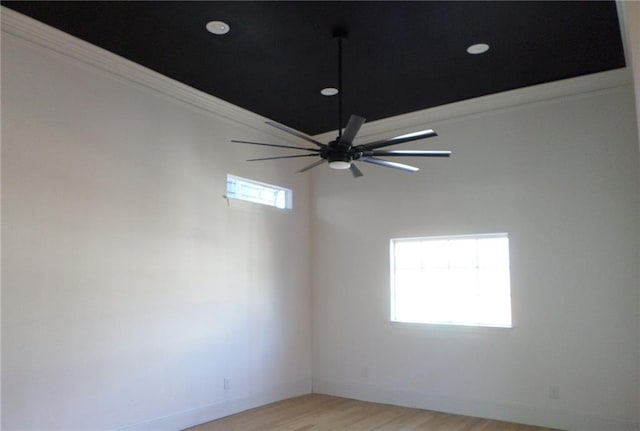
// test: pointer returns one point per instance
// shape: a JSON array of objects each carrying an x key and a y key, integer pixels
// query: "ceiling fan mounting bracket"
[{"x": 340, "y": 33}]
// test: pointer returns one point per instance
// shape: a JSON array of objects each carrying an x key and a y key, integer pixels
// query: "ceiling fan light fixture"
[{"x": 339, "y": 164}]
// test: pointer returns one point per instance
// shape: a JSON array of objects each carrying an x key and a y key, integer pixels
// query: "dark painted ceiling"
[{"x": 399, "y": 57}]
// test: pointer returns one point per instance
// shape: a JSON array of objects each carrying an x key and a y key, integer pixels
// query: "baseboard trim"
[
  {"x": 470, "y": 407},
  {"x": 185, "y": 419}
]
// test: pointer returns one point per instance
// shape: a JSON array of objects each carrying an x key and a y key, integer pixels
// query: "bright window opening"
[
  {"x": 453, "y": 280},
  {"x": 258, "y": 192}
]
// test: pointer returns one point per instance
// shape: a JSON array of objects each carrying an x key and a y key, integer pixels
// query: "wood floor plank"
[{"x": 317, "y": 412}]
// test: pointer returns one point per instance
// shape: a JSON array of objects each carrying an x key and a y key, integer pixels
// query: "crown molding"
[
  {"x": 623, "y": 19},
  {"x": 63, "y": 44},
  {"x": 581, "y": 86}
]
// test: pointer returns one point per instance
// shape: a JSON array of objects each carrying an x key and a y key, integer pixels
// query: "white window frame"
[
  {"x": 475, "y": 306},
  {"x": 258, "y": 192}
]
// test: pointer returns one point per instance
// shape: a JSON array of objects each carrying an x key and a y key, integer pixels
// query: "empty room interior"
[{"x": 209, "y": 207}]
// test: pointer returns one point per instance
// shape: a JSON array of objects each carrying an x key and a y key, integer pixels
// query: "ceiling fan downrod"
[{"x": 340, "y": 34}]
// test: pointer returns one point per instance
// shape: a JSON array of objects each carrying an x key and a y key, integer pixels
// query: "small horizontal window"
[
  {"x": 453, "y": 280},
  {"x": 258, "y": 192}
]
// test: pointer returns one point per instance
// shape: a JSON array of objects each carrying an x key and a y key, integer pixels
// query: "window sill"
[{"x": 454, "y": 328}]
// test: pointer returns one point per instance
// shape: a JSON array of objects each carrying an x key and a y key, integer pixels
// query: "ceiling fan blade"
[
  {"x": 388, "y": 164},
  {"x": 355, "y": 171},
  {"x": 352, "y": 129},
  {"x": 283, "y": 157},
  {"x": 398, "y": 139},
  {"x": 296, "y": 133},
  {"x": 312, "y": 165},
  {"x": 275, "y": 145},
  {"x": 406, "y": 153}
]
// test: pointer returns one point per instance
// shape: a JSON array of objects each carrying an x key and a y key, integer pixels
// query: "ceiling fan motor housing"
[
  {"x": 339, "y": 157},
  {"x": 338, "y": 151}
]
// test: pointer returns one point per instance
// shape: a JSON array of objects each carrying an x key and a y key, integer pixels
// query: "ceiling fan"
[{"x": 341, "y": 153}]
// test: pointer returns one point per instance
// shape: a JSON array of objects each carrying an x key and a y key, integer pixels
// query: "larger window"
[{"x": 454, "y": 280}]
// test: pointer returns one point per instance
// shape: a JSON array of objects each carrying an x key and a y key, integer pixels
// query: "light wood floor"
[{"x": 326, "y": 413}]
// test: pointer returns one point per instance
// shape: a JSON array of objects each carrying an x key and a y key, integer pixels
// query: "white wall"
[
  {"x": 130, "y": 289},
  {"x": 630, "y": 12},
  {"x": 561, "y": 177}
]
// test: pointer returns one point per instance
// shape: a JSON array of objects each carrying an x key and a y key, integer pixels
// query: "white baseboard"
[
  {"x": 185, "y": 419},
  {"x": 478, "y": 408}
]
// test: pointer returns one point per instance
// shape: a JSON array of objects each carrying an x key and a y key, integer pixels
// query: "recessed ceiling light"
[
  {"x": 218, "y": 27},
  {"x": 329, "y": 91},
  {"x": 478, "y": 48}
]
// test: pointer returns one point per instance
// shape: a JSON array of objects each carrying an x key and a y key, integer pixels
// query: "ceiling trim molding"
[
  {"x": 514, "y": 99},
  {"x": 65, "y": 45},
  {"x": 623, "y": 19}
]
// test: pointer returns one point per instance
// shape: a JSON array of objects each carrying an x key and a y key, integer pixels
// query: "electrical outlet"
[
  {"x": 554, "y": 392},
  {"x": 227, "y": 383}
]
